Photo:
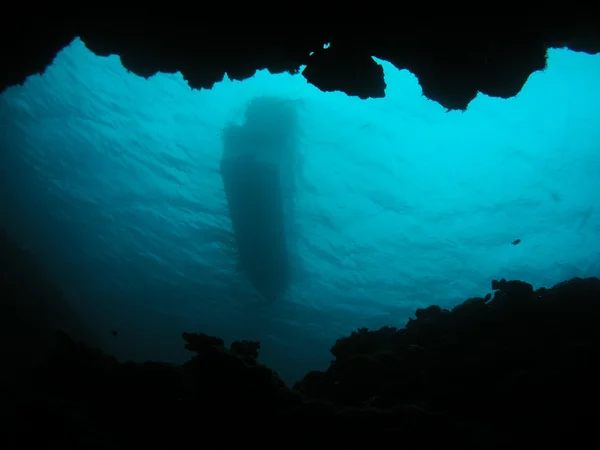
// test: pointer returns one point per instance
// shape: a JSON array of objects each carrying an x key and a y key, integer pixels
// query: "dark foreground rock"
[{"x": 515, "y": 369}]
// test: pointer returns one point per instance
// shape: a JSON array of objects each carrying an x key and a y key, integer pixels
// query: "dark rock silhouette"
[
  {"x": 510, "y": 370},
  {"x": 454, "y": 57}
]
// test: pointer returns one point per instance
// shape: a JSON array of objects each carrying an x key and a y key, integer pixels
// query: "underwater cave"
[{"x": 121, "y": 187}]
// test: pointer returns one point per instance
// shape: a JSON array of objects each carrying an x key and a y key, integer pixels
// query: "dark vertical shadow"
[{"x": 257, "y": 169}]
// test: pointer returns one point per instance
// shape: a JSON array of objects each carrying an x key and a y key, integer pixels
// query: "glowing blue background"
[{"x": 113, "y": 181}]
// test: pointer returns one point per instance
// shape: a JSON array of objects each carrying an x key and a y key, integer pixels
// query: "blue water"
[{"x": 113, "y": 182}]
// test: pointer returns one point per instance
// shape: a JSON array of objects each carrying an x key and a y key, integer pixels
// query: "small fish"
[
  {"x": 114, "y": 332},
  {"x": 516, "y": 241}
]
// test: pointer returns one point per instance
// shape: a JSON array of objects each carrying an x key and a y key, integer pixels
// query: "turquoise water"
[{"x": 113, "y": 182}]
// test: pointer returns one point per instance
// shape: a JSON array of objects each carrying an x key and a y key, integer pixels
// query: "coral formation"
[{"x": 515, "y": 368}]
